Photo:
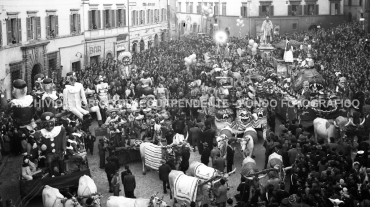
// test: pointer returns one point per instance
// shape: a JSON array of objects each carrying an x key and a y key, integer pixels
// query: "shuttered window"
[
  {"x": 33, "y": 28},
  {"x": 151, "y": 16},
  {"x": 121, "y": 17},
  {"x": 52, "y": 28},
  {"x": 75, "y": 23},
  {"x": 266, "y": 10},
  {"x": 108, "y": 19},
  {"x": 148, "y": 16},
  {"x": 14, "y": 31},
  {"x": 244, "y": 10},
  {"x": 199, "y": 8},
  {"x": 223, "y": 8},
  {"x": 94, "y": 19},
  {"x": 217, "y": 8}
]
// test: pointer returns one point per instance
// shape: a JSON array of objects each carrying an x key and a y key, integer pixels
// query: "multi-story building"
[
  {"x": 148, "y": 23},
  {"x": 38, "y": 37},
  {"x": 287, "y": 16},
  {"x": 358, "y": 10},
  {"x": 105, "y": 26}
]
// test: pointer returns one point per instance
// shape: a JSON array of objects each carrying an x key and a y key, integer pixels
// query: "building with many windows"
[
  {"x": 358, "y": 10},
  {"x": 287, "y": 16},
  {"x": 39, "y": 37},
  {"x": 106, "y": 29},
  {"x": 148, "y": 23}
]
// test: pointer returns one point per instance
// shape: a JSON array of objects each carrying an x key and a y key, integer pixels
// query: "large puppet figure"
[
  {"x": 73, "y": 95},
  {"x": 267, "y": 31},
  {"x": 22, "y": 106},
  {"x": 50, "y": 96},
  {"x": 102, "y": 90},
  {"x": 53, "y": 142}
]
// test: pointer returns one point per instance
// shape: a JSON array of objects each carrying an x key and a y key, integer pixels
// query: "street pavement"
[{"x": 146, "y": 185}]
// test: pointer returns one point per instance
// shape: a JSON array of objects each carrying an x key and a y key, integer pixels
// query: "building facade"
[
  {"x": 39, "y": 37},
  {"x": 358, "y": 10},
  {"x": 287, "y": 16},
  {"x": 148, "y": 23},
  {"x": 106, "y": 29}
]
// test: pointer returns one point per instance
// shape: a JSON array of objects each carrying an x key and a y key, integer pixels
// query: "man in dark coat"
[
  {"x": 179, "y": 125},
  {"x": 90, "y": 140},
  {"x": 229, "y": 157},
  {"x": 101, "y": 148},
  {"x": 110, "y": 169},
  {"x": 209, "y": 135},
  {"x": 114, "y": 158},
  {"x": 204, "y": 158},
  {"x": 164, "y": 171},
  {"x": 194, "y": 134},
  {"x": 129, "y": 185}
]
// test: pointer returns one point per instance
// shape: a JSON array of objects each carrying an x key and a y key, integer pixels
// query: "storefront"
[
  {"x": 120, "y": 48},
  {"x": 94, "y": 52}
]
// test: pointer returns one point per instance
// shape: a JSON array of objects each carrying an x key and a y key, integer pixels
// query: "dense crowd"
[{"x": 320, "y": 170}]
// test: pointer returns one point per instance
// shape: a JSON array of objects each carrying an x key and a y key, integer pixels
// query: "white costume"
[
  {"x": 102, "y": 91},
  {"x": 72, "y": 97}
]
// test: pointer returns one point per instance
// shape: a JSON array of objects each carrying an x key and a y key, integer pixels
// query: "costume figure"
[
  {"x": 94, "y": 104},
  {"x": 125, "y": 69},
  {"x": 288, "y": 54},
  {"x": 53, "y": 142},
  {"x": 341, "y": 88},
  {"x": 266, "y": 29},
  {"x": 73, "y": 95},
  {"x": 22, "y": 106},
  {"x": 102, "y": 91},
  {"x": 306, "y": 92},
  {"x": 49, "y": 97}
]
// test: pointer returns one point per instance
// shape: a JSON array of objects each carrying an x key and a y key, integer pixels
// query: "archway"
[
  {"x": 35, "y": 70},
  {"x": 134, "y": 47},
  {"x": 156, "y": 40},
  {"x": 109, "y": 56},
  {"x": 142, "y": 45}
]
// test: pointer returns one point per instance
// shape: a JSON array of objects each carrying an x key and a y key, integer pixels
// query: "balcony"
[{"x": 105, "y": 33}]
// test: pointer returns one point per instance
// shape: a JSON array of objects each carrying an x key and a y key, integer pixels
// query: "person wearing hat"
[
  {"x": 49, "y": 97},
  {"x": 73, "y": 96},
  {"x": 163, "y": 172},
  {"x": 22, "y": 106},
  {"x": 53, "y": 141},
  {"x": 110, "y": 170}
]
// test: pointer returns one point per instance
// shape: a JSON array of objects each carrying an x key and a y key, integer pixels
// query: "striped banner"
[{"x": 153, "y": 156}]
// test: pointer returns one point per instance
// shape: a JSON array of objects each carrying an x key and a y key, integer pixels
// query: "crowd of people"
[{"x": 320, "y": 170}]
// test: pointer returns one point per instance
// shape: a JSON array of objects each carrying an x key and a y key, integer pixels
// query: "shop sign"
[
  {"x": 120, "y": 46},
  {"x": 95, "y": 49}
]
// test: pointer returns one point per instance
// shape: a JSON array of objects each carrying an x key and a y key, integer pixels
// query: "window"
[
  {"x": 14, "y": 31},
  {"x": 137, "y": 18},
  {"x": 187, "y": 7},
  {"x": 223, "y": 8},
  {"x": 76, "y": 66},
  {"x": 211, "y": 6},
  {"x": 52, "y": 28},
  {"x": 15, "y": 71},
  {"x": 140, "y": 18},
  {"x": 75, "y": 23},
  {"x": 148, "y": 16},
  {"x": 217, "y": 7},
  {"x": 199, "y": 8},
  {"x": 108, "y": 20},
  {"x": 156, "y": 16},
  {"x": 191, "y": 7},
  {"x": 294, "y": 10},
  {"x": 151, "y": 16},
  {"x": 94, "y": 19},
  {"x": 243, "y": 10},
  {"x": 52, "y": 62},
  {"x": 334, "y": 8},
  {"x": 311, "y": 9},
  {"x": 266, "y": 10},
  {"x": 294, "y": 26},
  {"x": 33, "y": 28},
  {"x": 165, "y": 15},
  {"x": 179, "y": 8},
  {"x": 121, "y": 17}
]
